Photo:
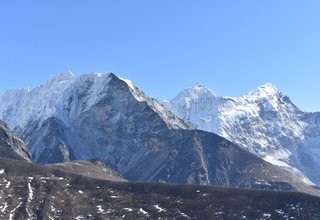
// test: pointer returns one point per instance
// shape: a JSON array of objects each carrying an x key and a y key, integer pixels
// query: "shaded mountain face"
[
  {"x": 94, "y": 168},
  {"x": 264, "y": 122},
  {"x": 103, "y": 116},
  {"x": 32, "y": 191},
  {"x": 11, "y": 146}
]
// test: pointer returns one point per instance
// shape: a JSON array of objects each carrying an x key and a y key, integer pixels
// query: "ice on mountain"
[
  {"x": 263, "y": 121},
  {"x": 61, "y": 77}
]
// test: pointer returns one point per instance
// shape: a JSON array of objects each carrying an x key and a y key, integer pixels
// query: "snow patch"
[
  {"x": 266, "y": 215},
  {"x": 279, "y": 211},
  {"x": 143, "y": 212},
  {"x": 159, "y": 208},
  {"x": 100, "y": 209},
  {"x": 31, "y": 193},
  {"x": 184, "y": 215},
  {"x": 8, "y": 184},
  {"x": 219, "y": 213},
  {"x": 30, "y": 198},
  {"x": 3, "y": 208},
  {"x": 134, "y": 90},
  {"x": 12, "y": 213},
  {"x": 115, "y": 197}
]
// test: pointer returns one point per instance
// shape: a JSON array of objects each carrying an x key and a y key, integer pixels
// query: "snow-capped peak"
[
  {"x": 264, "y": 122},
  {"x": 199, "y": 86},
  {"x": 64, "y": 96},
  {"x": 264, "y": 90},
  {"x": 61, "y": 77},
  {"x": 197, "y": 91}
]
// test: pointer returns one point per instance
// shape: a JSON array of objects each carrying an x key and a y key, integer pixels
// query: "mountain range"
[
  {"x": 95, "y": 137},
  {"x": 265, "y": 122},
  {"x": 91, "y": 190},
  {"x": 103, "y": 116}
]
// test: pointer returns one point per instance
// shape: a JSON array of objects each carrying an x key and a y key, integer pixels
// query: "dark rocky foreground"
[{"x": 31, "y": 191}]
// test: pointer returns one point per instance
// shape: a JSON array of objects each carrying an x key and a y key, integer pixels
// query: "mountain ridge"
[
  {"x": 101, "y": 115},
  {"x": 11, "y": 146},
  {"x": 264, "y": 121}
]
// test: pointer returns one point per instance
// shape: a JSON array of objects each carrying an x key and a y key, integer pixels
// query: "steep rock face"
[
  {"x": 46, "y": 140},
  {"x": 103, "y": 116},
  {"x": 11, "y": 146},
  {"x": 264, "y": 122}
]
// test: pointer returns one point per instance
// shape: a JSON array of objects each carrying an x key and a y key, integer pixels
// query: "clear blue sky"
[{"x": 167, "y": 45}]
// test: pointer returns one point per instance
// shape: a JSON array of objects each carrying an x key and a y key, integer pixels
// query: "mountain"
[
  {"x": 103, "y": 116},
  {"x": 91, "y": 190},
  {"x": 33, "y": 191},
  {"x": 11, "y": 146},
  {"x": 264, "y": 122},
  {"x": 68, "y": 111}
]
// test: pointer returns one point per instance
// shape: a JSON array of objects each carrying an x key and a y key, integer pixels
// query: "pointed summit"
[
  {"x": 198, "y": 86},
  {"x": 61, "y": 77},
  {"x": 112, "y": 75},
  {"x": 196, "y": 92},
  {"x": 269, "y": 87},
  {"x": 265, "y": 90}
]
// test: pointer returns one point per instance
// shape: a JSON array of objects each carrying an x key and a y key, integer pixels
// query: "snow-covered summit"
[
  {"x": 264, "y": 122},
  {"x": 267, "y": 89},
  {"x": 61, "y": 77},
  {"x": 197, "y": 91},
  {"x": 65, "y": 96},
  {"x": 43, "y": 101}
]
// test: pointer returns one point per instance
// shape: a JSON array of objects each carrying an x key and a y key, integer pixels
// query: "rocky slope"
[
  {"x": 103, "y": 116},
  {"x": 11, "y": 146},
  {"x": 264, "y": 122},
  {"x": 94, "y": 168},
  {"x": 31, "y": 191}
]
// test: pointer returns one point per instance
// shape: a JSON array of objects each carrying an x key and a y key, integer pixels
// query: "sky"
[{"x": 165, "y": 46}]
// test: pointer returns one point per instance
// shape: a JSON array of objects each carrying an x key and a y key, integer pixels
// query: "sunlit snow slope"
[{"x": 264, "y": 121}]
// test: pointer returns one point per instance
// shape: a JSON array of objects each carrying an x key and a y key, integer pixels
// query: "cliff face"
[{"x": 11, "y": 146}]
